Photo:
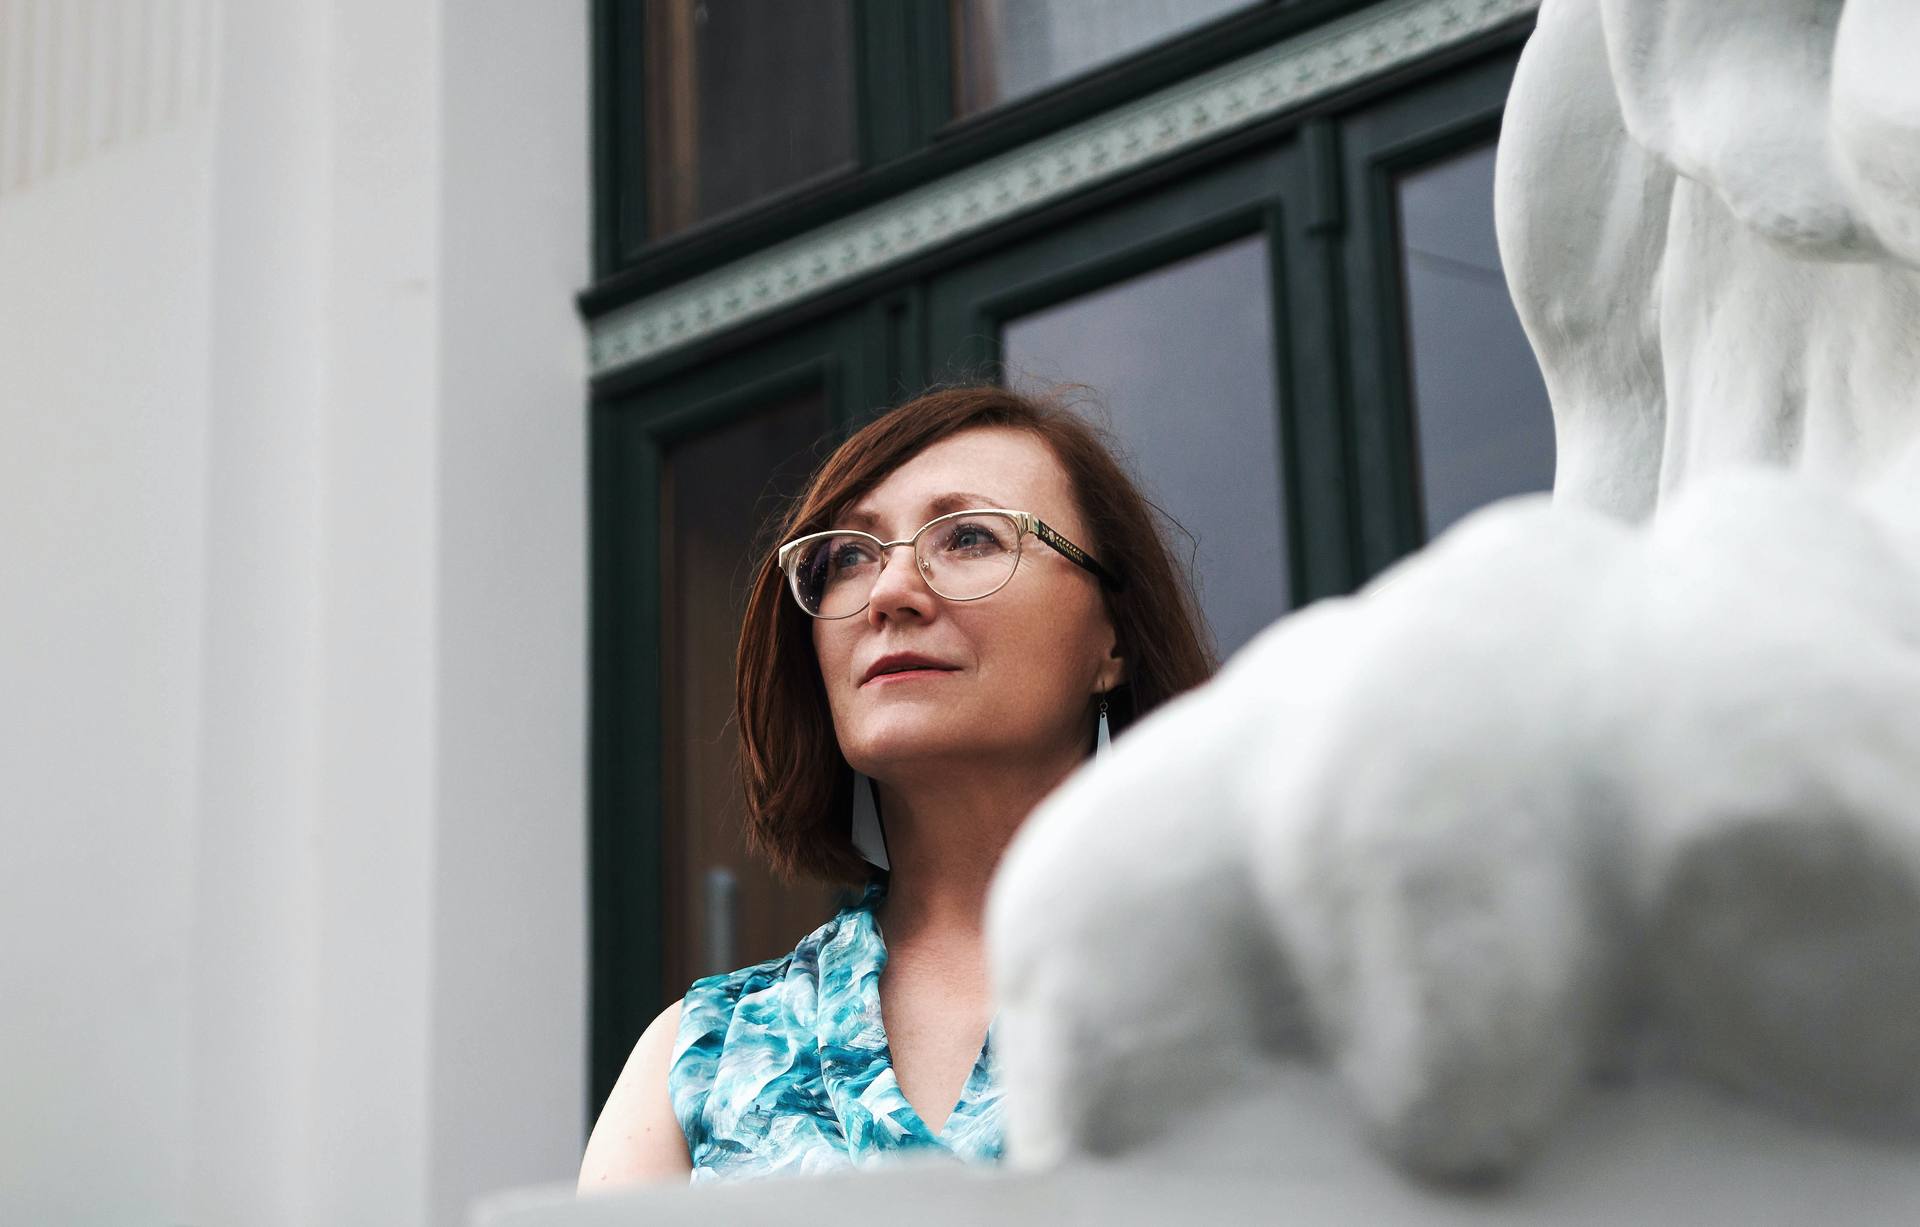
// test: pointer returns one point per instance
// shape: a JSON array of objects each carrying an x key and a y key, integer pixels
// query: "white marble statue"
[{"x": 1619, "y": 789}]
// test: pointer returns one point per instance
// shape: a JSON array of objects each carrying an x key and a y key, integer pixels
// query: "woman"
[{"x": 900, "y": 714}]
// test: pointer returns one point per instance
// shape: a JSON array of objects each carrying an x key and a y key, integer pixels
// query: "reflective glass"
[
  {"x": 1003, "y": 49},
  {"x": 823, "y": 577},
  {"x": 745, "y": 98},
  {"x": 968, "y": 558},
  {"x": 1183, "y": 360},
  {"x": 1482, "y": 425}
]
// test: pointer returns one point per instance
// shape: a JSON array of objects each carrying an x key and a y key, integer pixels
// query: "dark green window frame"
[
  {"x": 847, "y": 359},
  {"x": 906, "y": 133},
  {"x": 1398, "y": 133},
  {"x": 1263, "y": 192}
]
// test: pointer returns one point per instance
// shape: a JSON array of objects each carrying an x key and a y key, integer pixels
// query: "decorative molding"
[
  {"x": 1269, "y": 82},
  {"x": 80, "y": 77}
]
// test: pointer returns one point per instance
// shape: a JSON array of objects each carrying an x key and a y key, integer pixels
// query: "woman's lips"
[{"x": 905, "y": 675}]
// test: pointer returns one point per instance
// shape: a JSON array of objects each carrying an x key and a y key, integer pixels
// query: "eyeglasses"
[{"x": 963, "y": 556}]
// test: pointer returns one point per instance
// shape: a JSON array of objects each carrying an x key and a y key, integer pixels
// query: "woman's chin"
[{"x": 901, "y": 749}]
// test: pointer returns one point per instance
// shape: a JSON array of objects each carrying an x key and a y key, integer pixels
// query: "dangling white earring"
[
  {"x": 1103, "y": 740},
  {"x": 868, "y": 839}
]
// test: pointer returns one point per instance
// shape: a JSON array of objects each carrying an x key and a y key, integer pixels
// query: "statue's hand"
[{"x": 1555, "y": 799}]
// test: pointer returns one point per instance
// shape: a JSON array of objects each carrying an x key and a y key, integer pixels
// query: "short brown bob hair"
[{"x": 798, "y": 787}]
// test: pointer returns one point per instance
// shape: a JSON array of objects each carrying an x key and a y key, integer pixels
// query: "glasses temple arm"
[{"x": 1077, "y": 556}]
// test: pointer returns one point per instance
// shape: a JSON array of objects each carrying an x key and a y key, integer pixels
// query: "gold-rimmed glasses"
[{"x": 963, "y": 556}]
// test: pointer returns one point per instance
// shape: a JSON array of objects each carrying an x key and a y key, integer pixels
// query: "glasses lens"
[
  {"x": 832, "y": 575},
  {"x": 969, "y": 556}
]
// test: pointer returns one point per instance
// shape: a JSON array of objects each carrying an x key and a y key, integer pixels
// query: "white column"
[{"x": 292, "y": 636}]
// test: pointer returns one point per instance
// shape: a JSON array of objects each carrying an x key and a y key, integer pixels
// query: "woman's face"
[{"x": 1024, "y": 662}]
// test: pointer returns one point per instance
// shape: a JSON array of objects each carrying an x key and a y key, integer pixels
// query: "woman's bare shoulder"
[{"x": 637, "y": 1139}]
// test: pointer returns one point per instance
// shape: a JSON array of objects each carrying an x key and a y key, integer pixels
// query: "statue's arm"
[{"x": 1582, "y": 214}]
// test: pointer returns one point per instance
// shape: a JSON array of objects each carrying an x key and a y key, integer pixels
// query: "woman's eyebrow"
[
  {"x": 959, "y": 500},
  {"x": 939, "y": 504}
]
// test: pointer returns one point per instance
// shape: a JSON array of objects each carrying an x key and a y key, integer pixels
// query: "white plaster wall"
[
  {"x": 509, "y": 1056},
  {"x": 258, "y": 889},
  {"x": 292, "y": 676},
  {"x": 103, "y": 425}
]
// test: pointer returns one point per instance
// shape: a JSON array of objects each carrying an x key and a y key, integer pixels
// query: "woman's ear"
[{"x": 1113, "y": 670}]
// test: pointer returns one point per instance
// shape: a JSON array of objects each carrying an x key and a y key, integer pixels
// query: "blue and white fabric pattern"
[{"x": 783, "y": 1068}]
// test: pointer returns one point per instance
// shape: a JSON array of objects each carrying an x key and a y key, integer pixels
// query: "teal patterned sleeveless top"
[{"x": 782, "y": 1068}]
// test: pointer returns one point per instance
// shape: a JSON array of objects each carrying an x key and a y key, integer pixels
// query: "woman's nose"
[{"x": 898, "y": 586}]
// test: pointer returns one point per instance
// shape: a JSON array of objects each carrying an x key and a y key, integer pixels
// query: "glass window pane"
[
  {"x": 723, "y": 909},
  {"x": 744, "y": 98},
  {"x": 1005, "y": 48},
  {"x": 1483, "y": 428},
  {"x": 1183, "y": 357}
]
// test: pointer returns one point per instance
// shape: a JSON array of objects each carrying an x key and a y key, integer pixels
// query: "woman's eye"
[{"x": 971, "y": 537}]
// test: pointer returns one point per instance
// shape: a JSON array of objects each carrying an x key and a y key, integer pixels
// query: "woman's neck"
[{"x": 945, "y": 839}]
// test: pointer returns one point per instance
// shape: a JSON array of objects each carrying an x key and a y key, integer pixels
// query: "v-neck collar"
[{"x": 856, "y": 1061}]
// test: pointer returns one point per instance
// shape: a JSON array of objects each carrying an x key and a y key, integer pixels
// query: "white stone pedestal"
[{"x": 1292, "y": 1153}]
